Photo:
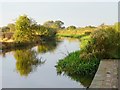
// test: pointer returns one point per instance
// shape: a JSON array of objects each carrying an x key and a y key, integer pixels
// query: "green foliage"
[
  {"x": 27, "y": 30},
  {"x": 11, "y": 26},
  {"x": 26, "y": 61},
  {"x": 71, "y": 27},
  {"x": 45, "y": 31},
  {"x": 78, "y": 69},
  {"x": 85, "y": 80},
  {"x": 23, "y": 32},
  {"x": 5, "y": 29},
  {"x": 78, "y": 32},
  {"x": 73, "y": 64},
  {"x": 117, "y": 26},
  {"x": 54, "y": 24},
  {"x": 103, "y": 43},
  {"x": 48, "y": 23},
  {"x": 59, "y": 24},
  {"x": 90, "y": 27},
  {"x": 72, "y": 36},
  {"x": 48, "y": 46}
]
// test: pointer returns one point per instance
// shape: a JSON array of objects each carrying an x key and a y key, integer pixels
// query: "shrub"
[
  {"x": 73, "y": 64},
  {"x": 103, "y": 43}
]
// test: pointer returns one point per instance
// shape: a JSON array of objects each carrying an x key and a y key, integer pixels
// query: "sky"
[{"x": 71, "y": 13}]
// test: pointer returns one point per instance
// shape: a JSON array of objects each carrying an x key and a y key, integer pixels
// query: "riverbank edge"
[
  {"x": 106, "y": 77},
  {"x": 4, "y": 45},
  {"x": 8, "y": 46}
]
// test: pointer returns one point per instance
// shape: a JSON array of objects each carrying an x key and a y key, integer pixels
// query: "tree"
[
  {"x": 54, "y": 24},
  {"x": 71, "y": 27},
  {"x": 46, "y": 31},
  {"x": 5, "y": 29},
  {"x": 11, "y": 26},
  {"x": 48, "y": 23},
  {"x": 23, "y": 32},
  {"x": 59, "y": 24},
  {"x": 92, "y": 26}
]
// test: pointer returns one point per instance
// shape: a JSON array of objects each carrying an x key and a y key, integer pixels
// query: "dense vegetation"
[
  {"x": 72, "y": 64},
  {"x": 27, "y": 31},
  {"x": 102, "y": 43}
]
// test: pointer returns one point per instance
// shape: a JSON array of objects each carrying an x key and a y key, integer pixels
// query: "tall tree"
[
  {"x": 59, "y": 24},
  {"x": 23, "y": 32},
  {"x": 48, "y": 23}
]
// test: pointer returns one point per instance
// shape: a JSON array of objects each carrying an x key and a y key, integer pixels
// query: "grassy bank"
[
  {"x": 72, "y": 64},
  {"x": 75, "y": 33},
  {"x": 102, "y": 43},
  {"x": 80, "y": 70},
  {"x": 10, "y": 46},
  {"x": 70, "y": 35}
]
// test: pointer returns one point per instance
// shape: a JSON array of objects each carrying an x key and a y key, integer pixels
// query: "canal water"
[{"x": 35, "y": 67}]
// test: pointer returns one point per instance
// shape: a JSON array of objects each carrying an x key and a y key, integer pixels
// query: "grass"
[
  {"x": 77, "y": 69},
  {"x": 73, "y": 64},
  {"x": 70, "y": 35},
  {"x": 75, "y": 33}
]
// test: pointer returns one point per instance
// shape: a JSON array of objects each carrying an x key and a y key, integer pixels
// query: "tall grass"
[{"x": 73, "y": 64}]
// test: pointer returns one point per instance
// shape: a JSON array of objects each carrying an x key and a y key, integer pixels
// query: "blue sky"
[{"x": 71, "y": 13}]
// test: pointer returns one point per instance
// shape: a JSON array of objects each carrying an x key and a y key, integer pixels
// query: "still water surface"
[{"x": 35, "y": 67}]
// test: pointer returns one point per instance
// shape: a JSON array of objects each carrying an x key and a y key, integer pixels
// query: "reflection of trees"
[
  {"x": 47, "y": 46},
  {"x": 26, "y": 61},
  {"x": 84, "y": 80},
  {"x": 69, "y": 39}
]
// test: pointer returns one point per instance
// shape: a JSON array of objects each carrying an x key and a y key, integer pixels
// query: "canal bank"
[{"x": 107, "y": 75}]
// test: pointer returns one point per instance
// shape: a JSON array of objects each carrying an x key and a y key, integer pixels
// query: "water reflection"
[
  {"x": 48, "y": 46},
  {"x": 27, "y": 61},
  {"x": 84, "y": 80}
]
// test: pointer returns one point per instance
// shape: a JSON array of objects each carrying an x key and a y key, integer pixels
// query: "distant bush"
[
  {"x": 87, "y": 33},
  {"x": 71, "y": 27},
  {"x": 46, "y": 31}
]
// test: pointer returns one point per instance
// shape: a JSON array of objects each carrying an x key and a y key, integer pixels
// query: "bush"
[
  {"x": 103, "y": 43},
  {"x": 73, "y": 64},
  {"x": 46, "y": 31}
]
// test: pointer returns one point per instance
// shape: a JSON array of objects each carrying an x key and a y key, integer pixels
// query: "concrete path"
[{"x": 107, "y": 75}]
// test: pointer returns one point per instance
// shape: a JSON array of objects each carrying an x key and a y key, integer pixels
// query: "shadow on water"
[
  {"x": 84, "y": 80},
  {"x": 48, "y": 46}
]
